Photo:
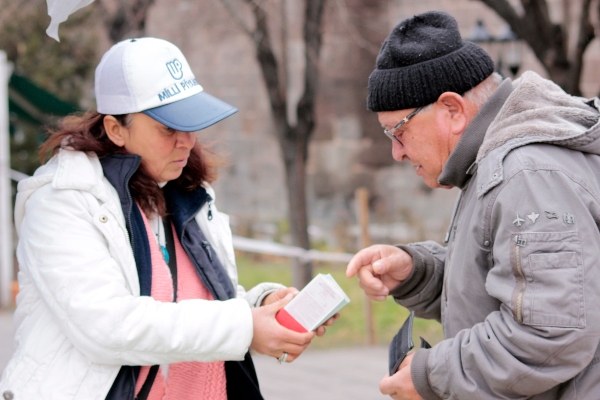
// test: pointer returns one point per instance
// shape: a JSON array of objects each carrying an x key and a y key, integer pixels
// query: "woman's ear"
[
  {"x": 458, "y": 111},
  {"x": 114, "y": 130}
]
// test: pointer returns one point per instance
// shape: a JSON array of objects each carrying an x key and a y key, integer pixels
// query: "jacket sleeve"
[
  {"x": 257, "y": 294},
  {"x": 422, "y": 290},
  {"x": 545, "y": 274},
  {"x": 79, "y": 259}
]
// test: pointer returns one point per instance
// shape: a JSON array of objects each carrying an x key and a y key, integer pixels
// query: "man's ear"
[
  {"x": 457, "y": 109},
  {"x": 114, "y": 130}
]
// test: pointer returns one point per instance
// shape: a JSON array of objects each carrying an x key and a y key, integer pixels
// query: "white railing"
[{"x": 278, "y": 249}]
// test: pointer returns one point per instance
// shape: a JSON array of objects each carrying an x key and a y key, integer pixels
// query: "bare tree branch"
[
  {"x": 361, "y": 42},
  {"x": 548, "y": 40},
  {"x": 585, "y": 35},
  {"x": 535, "y": 23},
  {"x": 505, "y": 11},
  {"x": 10, "y": 8},
  {"x": 236, "y": 17},
  {"x": 129, "y": 18},
  {"x": 313, "y": 38},
  {"x": 269, "y": 66}
]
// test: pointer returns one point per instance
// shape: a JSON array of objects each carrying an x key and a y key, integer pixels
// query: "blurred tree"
[
  {"x": 124, "y": 18},
  {"x": 294, "y": 129},
  {"x": 63, "y": 69},
  {"x": 558, "y": 45}
]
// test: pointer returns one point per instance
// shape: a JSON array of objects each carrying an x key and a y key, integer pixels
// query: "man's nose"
[{"x": 398, "y": 151}]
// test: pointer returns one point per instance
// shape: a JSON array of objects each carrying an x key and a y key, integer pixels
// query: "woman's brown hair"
[{"x": 86, "y": 133}]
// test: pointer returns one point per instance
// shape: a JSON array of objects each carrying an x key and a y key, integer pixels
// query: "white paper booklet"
[{"x": 315, "y": 304}]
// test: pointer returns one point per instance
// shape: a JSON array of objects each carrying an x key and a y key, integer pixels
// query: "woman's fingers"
[{"x": 273, "y": 339}]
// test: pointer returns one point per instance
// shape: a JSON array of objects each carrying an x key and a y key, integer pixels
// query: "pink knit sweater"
[{"x": 187, "y": 380}]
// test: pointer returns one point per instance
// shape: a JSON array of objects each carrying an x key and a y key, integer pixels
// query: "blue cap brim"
[{"x": 193, "y": 113}]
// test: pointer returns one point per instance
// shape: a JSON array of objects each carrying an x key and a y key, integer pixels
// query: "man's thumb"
[{"x": 380, "y": 267}]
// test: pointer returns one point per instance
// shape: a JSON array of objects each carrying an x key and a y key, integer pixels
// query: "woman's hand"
[
  {"x": 278, "y": 295},
  {"x": 270, "y": 337},
  {"x": 281, "y": 293},
  {"x": 320, "y": 331}
]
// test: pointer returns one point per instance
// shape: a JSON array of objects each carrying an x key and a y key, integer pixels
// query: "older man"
[{"x": 516, "y": 284}]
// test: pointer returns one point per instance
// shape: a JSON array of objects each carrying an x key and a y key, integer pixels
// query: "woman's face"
[{"x": 164, "y": 151}]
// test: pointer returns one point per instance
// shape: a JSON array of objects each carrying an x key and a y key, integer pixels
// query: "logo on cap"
[{"x": 175, "y": 69}]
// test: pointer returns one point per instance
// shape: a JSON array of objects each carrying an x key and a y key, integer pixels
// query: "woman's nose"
[{"x": 186, "y": 139}]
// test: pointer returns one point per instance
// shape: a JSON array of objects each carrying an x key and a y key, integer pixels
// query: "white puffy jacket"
[{"x": 79, "y": 314}]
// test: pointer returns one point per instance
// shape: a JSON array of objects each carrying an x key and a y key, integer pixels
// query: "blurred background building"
[{"x": 348, "y": 149}]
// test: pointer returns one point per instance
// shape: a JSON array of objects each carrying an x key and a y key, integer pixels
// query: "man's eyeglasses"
[{"x": 390, "y": 132}]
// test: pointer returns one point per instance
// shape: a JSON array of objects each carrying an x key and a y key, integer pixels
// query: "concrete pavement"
[{"x": 335, "y": 374}]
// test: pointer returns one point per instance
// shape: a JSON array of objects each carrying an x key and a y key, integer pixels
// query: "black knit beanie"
[{"x": 423, "y": 57}]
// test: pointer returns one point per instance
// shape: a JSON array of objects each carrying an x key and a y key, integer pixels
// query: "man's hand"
[
  {"x": 400, "y": 385},
  {"x": 380, "y": 268}
]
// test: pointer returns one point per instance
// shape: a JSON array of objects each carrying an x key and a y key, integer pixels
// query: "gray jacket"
[{"x": 517, "y": 288}]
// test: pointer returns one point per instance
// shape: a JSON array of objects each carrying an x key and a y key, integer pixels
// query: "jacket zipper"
[
  {"x": 206, "y": 247},
  {"x": 132, "y": 241},
  {"x": 454, "y": 212},
  {"x": 131, "y": 203},
  {"x": 128, "y": 218},
  {"x": 185, "y": 246},
  {"x": 518, "y": 244}
]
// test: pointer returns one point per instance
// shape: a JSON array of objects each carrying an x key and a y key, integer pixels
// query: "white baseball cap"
[{"x": 152, "y": 76}]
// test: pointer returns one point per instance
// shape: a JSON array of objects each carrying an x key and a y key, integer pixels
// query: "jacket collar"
[
  {"x": 184, "y": 205},
  {"x": 457, "y": 171},
  {"x": 537, "y": 111},
  {"x": 118, "y": 169}
]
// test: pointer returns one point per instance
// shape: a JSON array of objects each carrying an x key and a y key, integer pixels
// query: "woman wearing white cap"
[{"x": 128, "y": 285}]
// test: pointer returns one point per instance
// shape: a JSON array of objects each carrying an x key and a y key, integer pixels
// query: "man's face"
[{"x": 424, "y": 141}]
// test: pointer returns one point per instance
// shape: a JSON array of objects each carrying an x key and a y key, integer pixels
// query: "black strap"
[
  {"x": 242, "y": 382},
  {"x": 145, "y": 390},
  {"x": 170, "y": 244}
]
